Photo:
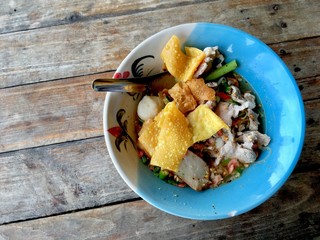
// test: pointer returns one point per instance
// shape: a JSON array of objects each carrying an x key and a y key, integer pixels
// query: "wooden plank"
[
  {"x": 58, "y": 178},
  {"x": 26, "y": 15},
  {"x": 68, "y": 109},
  {"x": 92, "y": 46},
  {"x": 310, "y": 157},
  {"x": 300, "y": 56},
  {"x": 75, "y": 112},
  {"x": 23, "y": 15},
  {"x": 292, "y": 213},
  {"x": 76, "y": 175},
  {"x": 309, "y": 87},
  {"x": 51, "y": 112}
]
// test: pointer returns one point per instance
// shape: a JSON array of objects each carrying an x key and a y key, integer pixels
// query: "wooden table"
[{"x": 56, "y": 178}]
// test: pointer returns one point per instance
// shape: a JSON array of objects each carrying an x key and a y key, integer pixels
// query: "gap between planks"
[
  {"x": 98, "y": 48},
  {"x": 291, "y": 213},
  {"x": 73, "y": 211},
  {"x": 91, "y": 76},
  {"x": 53, "y": 144}
]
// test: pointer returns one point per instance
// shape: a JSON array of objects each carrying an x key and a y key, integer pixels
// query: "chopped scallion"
[
  {"x": 225, "y": 162},
  {"x": 144, "y": 159},
  {"x": 163, "y": 174},
  {"x": 222, "y": 71}
]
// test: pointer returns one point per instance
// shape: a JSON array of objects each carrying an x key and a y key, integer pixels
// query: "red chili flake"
[
  {"x": 182, "y": 185},
  {"x": 198, "y": 146},
  {"x": 234, "y": 81},
  {"x": 236, "y": 122},
  {"x": 115, "y": 131},
  {"x": 255, "y": 146},
  {"x": 140, "y": 153},
  {"x": 137, "y": 126},
  {"x": 220, "y": 133},
  {"x": 223, "y": 96}
]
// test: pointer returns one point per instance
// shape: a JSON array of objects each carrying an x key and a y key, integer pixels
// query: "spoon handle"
[
  {"x": 139, "y": 84},
  {"x": 118, "y": 85}
]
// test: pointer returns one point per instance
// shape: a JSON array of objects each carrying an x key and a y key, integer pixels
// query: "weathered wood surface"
[
  {"x": 78, "y": 175},
  {"x": 67, "y": 109},
  {"x": 54, "y": 171},
  {"x": 61, "y": 163},
  {"x": 62, "y": 177},
  {"x": 50, "y": 112},
  {"x": 56, "y": 178},
  {"x": 293, "y": 213},
  {"x": 302, "y": 58},
  {"x": 24, "y": 15},
  {"x": 92, "y": 46}
]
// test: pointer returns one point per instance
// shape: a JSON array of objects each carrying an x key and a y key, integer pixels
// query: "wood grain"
[
  {"x": 76, "y": 175},
  {"x": 58, "y": 178},
  {"x": 293, "y": 213},
  {"x": 300, "y": 56},
  {"x": 309, "y": 87},
  {"x": 26, "y": 15},
  {"x": 310, "y": 158},
  {"x": 68, "y": 109},
  {"x": 99, "y": 45},
  {"x": 51, "y": 112}
]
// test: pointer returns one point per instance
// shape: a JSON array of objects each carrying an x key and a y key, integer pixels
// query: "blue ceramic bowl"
[{"x": 284, "y": 123}]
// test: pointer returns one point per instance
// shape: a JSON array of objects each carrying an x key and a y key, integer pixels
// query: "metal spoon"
[{"x": 154, "y": 83}]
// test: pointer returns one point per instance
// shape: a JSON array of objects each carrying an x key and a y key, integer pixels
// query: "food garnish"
[{"x": 204, "y": 131}]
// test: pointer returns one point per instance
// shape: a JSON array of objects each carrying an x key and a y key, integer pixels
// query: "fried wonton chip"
[
  {"x": 200, "y": 91},
  {"x": 181, "y": 66},
  {"x": 173, "y": 137},
  {"x": 148, "y": 137},
  {"x": 193, "y": 52},
  {"x": 183, "y": 97},
  {"x": 204, "y": 123}
]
